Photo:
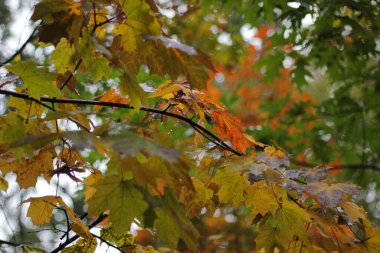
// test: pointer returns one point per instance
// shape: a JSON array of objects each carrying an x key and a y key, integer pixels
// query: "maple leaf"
[
  {"x": 121, "y": 240},
  {"x": 330, "y": 194},
  {"x": 232, "y": 186},
  {"x": 354, "y": 212},
  {"x": 129, "y": 143},
  {"x": 370, "y": 245},
  {"x": 23, "y": 106},
  {"x": 173, "y": 224},
  {"x": 227, "y": 126},
  {"x": 263, "y": 199},
  {"x": 124, "y": 202},
  {"x": 62, "y": 18},
  {"x": 110, "y": 96},
  {"x": 99, "y": 68},
  {"x": 89, "y": 182},
  {"x": 41, "y": 209},
  {"x": 13, "y": 130},
  {"x": 167, "y": 228},
  {"x": 28, "y": 169},
  {"x": 291, "y": 220},
  {"x": 129, "y": 86},
  {"x": 37, "y": 80},
  {"x": 271, "y": 238},
  {"x": 200, "y": 199},
  {"x": 82, "y": 246},
  {"x": 62, "y": 56},
  {"x": 140, "y": 19},
  {"x": 165, "y": 55}
]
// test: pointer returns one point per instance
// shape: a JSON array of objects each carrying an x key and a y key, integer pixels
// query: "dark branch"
[
  {"x": 75, "y": 237},
  {"x": 9, "y": 243},
  {"x": 342, "y": 166},
  {"x": 216, "y": 140},
  {"x": 19, "y": 51},
  {"x": 71, "y": 74},
  {"x": 106, "y": 242}
]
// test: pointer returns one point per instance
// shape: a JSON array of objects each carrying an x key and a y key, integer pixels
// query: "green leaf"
[
  {"x": 140, "y": 19},
  {"x": 124, "y": 202},
  {"x": 99, "y": 68},
  {"x": 120, "y": 239},
  {"x": 167, "y": 228},
  {"x": 62, "y": 56},
  {"x": 38, "y": 80},
  {"x": 13, "y": 130},
  {"x": 129, "y": 86}
]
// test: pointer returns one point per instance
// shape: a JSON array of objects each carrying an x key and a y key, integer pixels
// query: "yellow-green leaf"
[
  {"x": 124, "y": 202},
  {"x": 129, "y": 86},
  {"x": 38, "y": 80},
  {"x": 140, "y": 19},
  {"x": 99, "y": 68},
  {"x": 167, "y": 228},
  {"x": 82, "y": 246},
  {"x": 231, "y": 187},
  {"x": 62, "y": 56},
  {"x": 264, "y": 199}
]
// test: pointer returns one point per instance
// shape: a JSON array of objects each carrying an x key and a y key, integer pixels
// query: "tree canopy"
[{"x": 191, "y": 126}]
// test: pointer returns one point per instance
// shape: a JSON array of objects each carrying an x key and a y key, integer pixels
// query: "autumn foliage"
[{"x": 133, "y": 119}]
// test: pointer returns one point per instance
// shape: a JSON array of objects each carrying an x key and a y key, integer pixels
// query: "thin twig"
[
  {"x": 106, "y": 242},
  {"x": 71, "y": 74},
  {"x": 10, "y": 243},
  {"x": 8, "y": 223},
  {"x": 75, "y": 237},
  {"x": 19, "y": 51}
]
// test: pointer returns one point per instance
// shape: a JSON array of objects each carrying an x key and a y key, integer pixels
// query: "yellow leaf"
[
  {"x": 3, "y": 184},
  {"x": 28, "y": 169},
  {"x": 41, "y": 208},
  {"x": 165, "y": 89},
  {"x": 89, "y": 182},
  {"x": 231, "y": 187},
  {"x": 82, "y": 246},
  {"x": 355, "y": 212},
  {"x": 62, "y": 56},
  {"x": 140, "y": 19},
  {"x": 264, "y": 200},
  {"x": 80, "y": 229}
]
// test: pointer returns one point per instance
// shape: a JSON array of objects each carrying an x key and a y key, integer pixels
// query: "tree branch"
[
  {"x": 10, "y": 243},
  {"x": 337, "y": 167},
  {"x": 19, "y": 51},
  {"x": 216, "y": 140},
  {"x": 75, "y": 237}
]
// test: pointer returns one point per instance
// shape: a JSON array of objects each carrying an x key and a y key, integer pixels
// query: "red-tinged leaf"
[
  {"x": 111, "y": 96},
  {"x": 228, "y": 127}
]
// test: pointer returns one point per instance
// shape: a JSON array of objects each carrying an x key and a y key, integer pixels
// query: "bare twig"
[
  {"x": 106, "y": 242},
  {"x": 10, "y": 243},
  {"x": 75, "y": 237},
  {"x": 19, "y": 51}
]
